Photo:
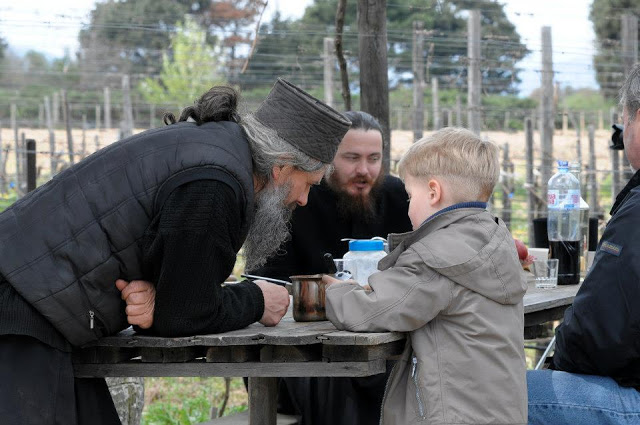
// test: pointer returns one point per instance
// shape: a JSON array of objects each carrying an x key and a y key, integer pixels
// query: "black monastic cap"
[{"x": 302, "y": 120}]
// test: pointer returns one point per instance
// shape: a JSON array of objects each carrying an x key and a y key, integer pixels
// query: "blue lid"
[
  {"x": 562, "y": 164},
  {"x": 366, "y": 245}
]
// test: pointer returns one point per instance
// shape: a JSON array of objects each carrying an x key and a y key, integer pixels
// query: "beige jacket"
[{"x": 455, "y": 285}]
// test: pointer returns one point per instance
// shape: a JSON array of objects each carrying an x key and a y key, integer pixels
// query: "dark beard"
[
  {"x": 270, "y": 227},
  {"x": 360, "y": 207}
]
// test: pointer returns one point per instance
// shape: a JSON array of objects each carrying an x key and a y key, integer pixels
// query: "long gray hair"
[{"x": 268, "y": 149}]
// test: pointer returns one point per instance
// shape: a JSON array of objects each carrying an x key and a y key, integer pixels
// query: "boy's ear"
[{"x": 435, "y": 192}]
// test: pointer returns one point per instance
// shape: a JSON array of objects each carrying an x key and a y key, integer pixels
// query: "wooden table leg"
[{"x": 263, "y": 401}]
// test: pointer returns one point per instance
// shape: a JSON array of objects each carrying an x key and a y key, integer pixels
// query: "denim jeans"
[{"x": 557, "y": 397}]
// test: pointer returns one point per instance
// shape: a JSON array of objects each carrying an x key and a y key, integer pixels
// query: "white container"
[{"x": 364, "y": 255}]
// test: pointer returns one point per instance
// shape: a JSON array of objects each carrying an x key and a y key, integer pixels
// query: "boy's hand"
[
  {"x": 140, "y": 296},
  {"x": 329, "y": 280}
]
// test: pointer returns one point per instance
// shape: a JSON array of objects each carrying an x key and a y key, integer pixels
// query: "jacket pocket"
[
  {"x": 96, "y": 324},
  {"x": 414, "y": 375}
]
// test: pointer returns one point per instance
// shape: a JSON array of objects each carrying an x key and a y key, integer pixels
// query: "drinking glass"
[{"x": 546, "y": 273}]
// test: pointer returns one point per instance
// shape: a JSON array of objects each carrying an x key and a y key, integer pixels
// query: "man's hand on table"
[
  {"x": 140, "y": 296},
  {"x": 276, "y": 302}
]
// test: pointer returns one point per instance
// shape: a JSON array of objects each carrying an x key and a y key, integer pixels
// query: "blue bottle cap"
[
  {"x": 563, "y": 164},
  {"x": 366, "y": 245}
]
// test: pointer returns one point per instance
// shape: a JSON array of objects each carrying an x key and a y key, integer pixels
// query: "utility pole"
[
  {"x": 127, "y": 112},
  {"x": 328, "y": 70},
  {"x": 592, "y": 182},
  {"x": 374, "y": 81},
  {"x": 418, "y": 80},
  {"x": 56, "y": 109},
  {"x": 53, "y": 158},
  {"x": 532, "y": 201},
  {"x": 107, "y": 109},
  {"x": 67, "y": 123},
  {"x": 97, "y": 117},
  {"x": 18, "y": 148},
  {"x": 435, "y": 100},
  {"x": 474, "y": 76},
  {"x": 546, "y": 110}
]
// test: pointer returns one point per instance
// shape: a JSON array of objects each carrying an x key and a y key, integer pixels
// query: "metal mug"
[{"x": 308, "y": 298}]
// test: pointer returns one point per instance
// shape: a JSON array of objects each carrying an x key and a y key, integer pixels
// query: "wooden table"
[{"x": 262, "y": 354}]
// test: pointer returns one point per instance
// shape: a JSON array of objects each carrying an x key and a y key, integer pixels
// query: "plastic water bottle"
[
  {"x": 364, "y": 255},
  {"x": 563, "y": 224},
  {"x": 574, "y": 168}
]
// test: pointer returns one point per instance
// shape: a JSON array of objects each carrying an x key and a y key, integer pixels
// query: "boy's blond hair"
[{"x": 458, "y": 156}]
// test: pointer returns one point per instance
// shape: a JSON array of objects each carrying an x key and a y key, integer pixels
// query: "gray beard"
[{"x": 270, "y": 227}]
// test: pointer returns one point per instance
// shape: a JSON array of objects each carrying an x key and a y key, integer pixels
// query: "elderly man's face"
[
  {"x": 299, "y": 183},
  {"x": 631, "y": 137},
  {"x": 274, "y": 206},
  {"x": 358, "y": 162}
]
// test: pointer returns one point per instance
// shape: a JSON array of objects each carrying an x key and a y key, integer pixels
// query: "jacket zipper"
[
  {"x": 414, "y": 375},
  {"x": 92, "y": 314}
]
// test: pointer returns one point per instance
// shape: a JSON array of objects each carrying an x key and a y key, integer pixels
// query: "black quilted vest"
[{"x": 63, "y": 246}]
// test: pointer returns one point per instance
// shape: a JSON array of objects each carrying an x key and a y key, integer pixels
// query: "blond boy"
[{"x": 455, "y": 285}]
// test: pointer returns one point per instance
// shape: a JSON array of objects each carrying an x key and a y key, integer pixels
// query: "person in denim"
[{"x": 595, "y": 376}]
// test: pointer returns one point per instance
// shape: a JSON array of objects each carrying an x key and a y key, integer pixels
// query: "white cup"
[{"x": 539, "y": 253}]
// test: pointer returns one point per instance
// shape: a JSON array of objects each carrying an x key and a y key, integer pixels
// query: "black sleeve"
[
  {"x": 188, "y": 251},
  {"x": 600, "y": 333}
]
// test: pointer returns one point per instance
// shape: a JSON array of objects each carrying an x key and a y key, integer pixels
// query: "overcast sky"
[{"x": 51, "y": 26}]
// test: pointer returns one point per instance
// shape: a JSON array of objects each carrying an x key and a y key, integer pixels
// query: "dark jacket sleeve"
[
  {"x": 600, "y": 333},
  {"x": 188, "y": 251}
]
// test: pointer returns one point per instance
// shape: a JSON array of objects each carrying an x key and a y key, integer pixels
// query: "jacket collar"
[
  {"x": 624, "y": 193},
  {"x": 399, "y": 242}
]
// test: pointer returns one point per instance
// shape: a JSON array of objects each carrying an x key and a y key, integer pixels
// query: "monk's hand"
[
  {"x": 276, "y": 302},
  {"x": 140, "y": 297}
]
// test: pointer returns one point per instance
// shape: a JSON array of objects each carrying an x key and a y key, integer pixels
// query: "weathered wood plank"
[
  {"x": 360, "y": 338},
  {"x": 291, "y": 353},
  {"x": 171, "y": 355},
  {"x": 544, "y": 316},
  {"x": 288, "y": 332},
  {"x": 104, "y": 354},
  {"x": 203, "y": 369},
  {"x": 263, "y": 403},
  {"x": 546, "y": 299},
  {"x": 233, "y": 354},
  {"x": 341, "y": 353}
]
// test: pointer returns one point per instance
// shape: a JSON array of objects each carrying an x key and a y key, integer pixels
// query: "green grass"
[{"x": 186, "y": 401}]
